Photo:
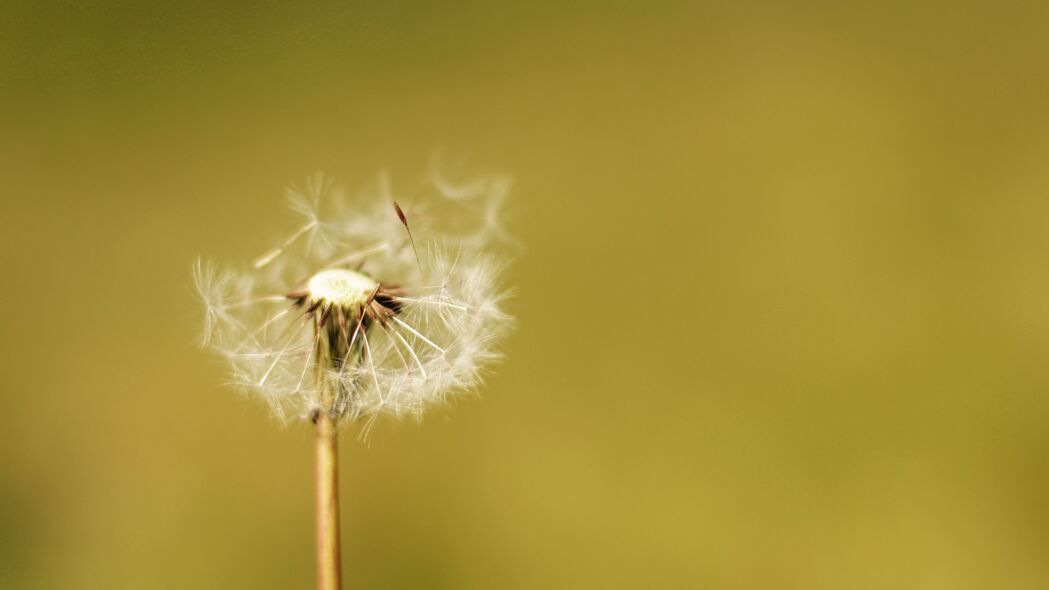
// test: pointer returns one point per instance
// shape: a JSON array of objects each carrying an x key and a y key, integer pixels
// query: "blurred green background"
[{"x": 783, "y": 309}]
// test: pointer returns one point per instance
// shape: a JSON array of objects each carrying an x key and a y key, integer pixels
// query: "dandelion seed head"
[{"x": 374, "y": 309}]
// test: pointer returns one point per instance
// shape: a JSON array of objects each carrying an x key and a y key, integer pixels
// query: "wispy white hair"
[{"x": 449, "y": 318}]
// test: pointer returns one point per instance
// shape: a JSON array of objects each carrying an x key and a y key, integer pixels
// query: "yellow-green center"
[{"x": 343, "y": 288}]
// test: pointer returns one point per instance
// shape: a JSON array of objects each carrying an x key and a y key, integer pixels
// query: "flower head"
[{"x": 346, "y": 316}]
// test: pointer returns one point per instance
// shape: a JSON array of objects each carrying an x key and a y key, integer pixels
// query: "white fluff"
[{"x": 451, "y": 318}]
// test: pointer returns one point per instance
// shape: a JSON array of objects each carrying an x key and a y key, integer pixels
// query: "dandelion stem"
[{"x": 329, "y": 570}]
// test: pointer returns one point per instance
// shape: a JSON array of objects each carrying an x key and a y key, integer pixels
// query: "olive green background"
[{"x": 783, "y": 303}]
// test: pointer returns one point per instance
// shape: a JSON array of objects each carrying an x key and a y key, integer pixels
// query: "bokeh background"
[{"x": 783, "y": 306}]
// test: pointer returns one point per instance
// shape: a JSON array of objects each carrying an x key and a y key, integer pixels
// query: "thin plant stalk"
[
  {"x": 329, "y": 562},
  {"x": 329, "y": 570}
]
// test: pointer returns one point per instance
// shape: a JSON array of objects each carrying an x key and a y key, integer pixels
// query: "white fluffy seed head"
[{"x": 342, "y": 318}]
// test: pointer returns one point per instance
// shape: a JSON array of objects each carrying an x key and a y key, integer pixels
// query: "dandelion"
[{"x": 348, "y": 319}]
